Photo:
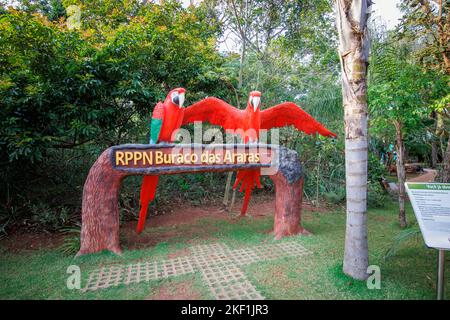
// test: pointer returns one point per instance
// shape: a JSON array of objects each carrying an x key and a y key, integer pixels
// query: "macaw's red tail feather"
[
  {"x": 243, "y": 186},
  {"x": 142, "y": 218},
  {"x": 258, "y": 182},
  {"x": 148, "y": 191},
  {"x": 248, "y": 192},
  {"x": 249, "y": 179}
]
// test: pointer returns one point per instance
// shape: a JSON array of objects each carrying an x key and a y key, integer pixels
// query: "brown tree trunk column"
[
  {"x": 100, "y": 208},
  {"x": 446, "y": 168},
  {"x": 288, "y": 195},
  {"x": 401, "y": 174}
]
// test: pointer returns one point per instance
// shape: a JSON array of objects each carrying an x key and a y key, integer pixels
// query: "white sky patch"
[
  {"x": 387, "y": 12},
  {"x": 384, "y": 12}
]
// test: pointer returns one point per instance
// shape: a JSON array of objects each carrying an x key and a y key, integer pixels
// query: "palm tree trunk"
[
  {"x": 352, "y": 16},
  {"x": 401, "y": 174}
]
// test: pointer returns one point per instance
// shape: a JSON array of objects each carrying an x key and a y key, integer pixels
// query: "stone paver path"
[{"x": 217, "y": 263}]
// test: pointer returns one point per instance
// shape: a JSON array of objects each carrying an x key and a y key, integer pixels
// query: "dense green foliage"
[
  {"x": 63, "y": 88},
  {"x": 68, "y": 94},
  {"x": 70, "y": 88},
  {"x": 401, "y": 90},
  {"x": 425, "y": 26}
]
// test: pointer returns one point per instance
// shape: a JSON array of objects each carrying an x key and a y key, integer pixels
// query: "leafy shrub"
[
  {"x": 336, "y": 197},
  {"x": 376, "y": 170},
  {"x": 69, "y": 94},
  {"x": 50, "y": 219},
  {"x": 5, "y": 220},
  {"x": 376, "y": 196}
]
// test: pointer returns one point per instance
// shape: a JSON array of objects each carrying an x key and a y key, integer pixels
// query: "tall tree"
[
  {"x": 442, "y": 107},
  {"x": 396, "y": 102},
  {"x": 352, "y": 17},
  {"x": 427, "y": 23},
  {"x": 401, "y": 97},
  {"x": 259, "y": 29}
]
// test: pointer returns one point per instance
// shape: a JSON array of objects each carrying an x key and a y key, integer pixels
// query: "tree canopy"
[{"x": 77, "y": 76}]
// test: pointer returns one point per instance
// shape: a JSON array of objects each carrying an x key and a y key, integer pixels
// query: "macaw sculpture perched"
[
  {"x": 248, "y": 122},
  {"x": 166, "y": 120}
]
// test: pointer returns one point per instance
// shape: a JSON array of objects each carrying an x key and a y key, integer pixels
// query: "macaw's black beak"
[{"x": 176, "y": 100}]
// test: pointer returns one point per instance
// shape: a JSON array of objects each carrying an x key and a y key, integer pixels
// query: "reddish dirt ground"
[
  {"x": 19, "y": 241},
  {"x": 428, "y": 176},
  {"x": 260, "y": 206}
]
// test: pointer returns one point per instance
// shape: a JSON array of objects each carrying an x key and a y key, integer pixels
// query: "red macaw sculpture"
[
  {"x": 166, "y": 120},
  {"x": 250, "y": 121}
]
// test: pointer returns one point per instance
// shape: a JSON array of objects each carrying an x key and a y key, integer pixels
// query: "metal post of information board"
[{"x": 440, "y": 275}]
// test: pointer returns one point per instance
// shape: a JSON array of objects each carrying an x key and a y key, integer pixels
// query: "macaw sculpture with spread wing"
[
  {"x": 248, "y": 123},
  {"x": 166, "y": 120}
]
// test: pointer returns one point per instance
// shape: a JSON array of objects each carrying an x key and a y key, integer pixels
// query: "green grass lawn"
[{"x": 411, "y": 274}]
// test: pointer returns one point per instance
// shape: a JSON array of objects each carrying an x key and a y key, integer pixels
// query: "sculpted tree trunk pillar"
[
  {"x": 288, "y": 206},
  {"x": 100, "y": 208},
  {"x": 288, "y": 192}
]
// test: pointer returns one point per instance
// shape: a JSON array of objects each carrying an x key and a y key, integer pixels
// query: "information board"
[{"x": 431, "y": 204}]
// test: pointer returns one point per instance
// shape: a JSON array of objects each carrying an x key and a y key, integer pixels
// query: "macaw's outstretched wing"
[
  {"x": 287, "y": 114},
  {"x": 214, "y": 111},
  {"x": 156, "y": 122}
]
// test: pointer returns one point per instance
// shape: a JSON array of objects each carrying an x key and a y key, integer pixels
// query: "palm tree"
[{"x": 351, "y": 21}]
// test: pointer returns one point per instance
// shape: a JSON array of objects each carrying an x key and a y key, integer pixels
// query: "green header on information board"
[{"x": 429, "y": 186}]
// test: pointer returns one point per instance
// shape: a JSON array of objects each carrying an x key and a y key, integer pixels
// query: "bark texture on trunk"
[
  {"x": 226, "y": 194},
  {"x": 445, "y": 177},
  {"x": 401, "y": 173},
  {"x": 288, "y": 206},
  {"x": 352, "y": 16},
  {"x": 443, "y": 34},
  {"x": 100, "y": 207},
  {"x": 434, "y": 141},
  {"x": 241, "y": 64},
  {"x": 288, "y": 183},
  {"x": 434, "y": 153}
]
